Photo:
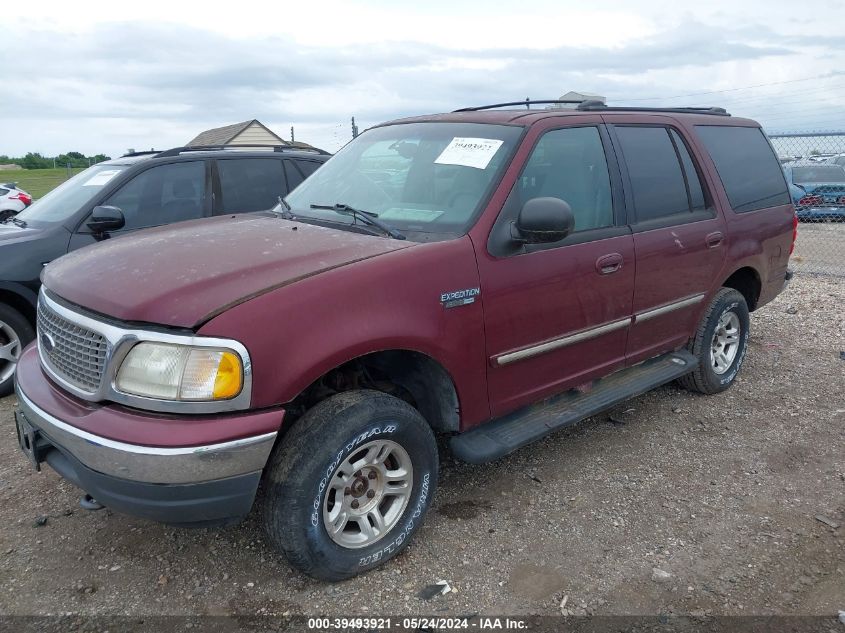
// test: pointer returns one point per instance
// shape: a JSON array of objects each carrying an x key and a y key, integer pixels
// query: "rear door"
[
  {"x": 679, "y": 237},
  {"x": 557, "y": 315}
]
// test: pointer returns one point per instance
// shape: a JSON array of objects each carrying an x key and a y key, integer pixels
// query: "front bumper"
[{"x": 197, "y": 484}]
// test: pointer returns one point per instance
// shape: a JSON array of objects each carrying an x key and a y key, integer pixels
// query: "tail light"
[
  {"x": 23, "y": 197},
  {"x": 794, "y": 233},
  {"x": 810, "y": 201}
]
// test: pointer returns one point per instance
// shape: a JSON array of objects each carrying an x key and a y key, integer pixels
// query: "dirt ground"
[{"x": 683, "y": 504}]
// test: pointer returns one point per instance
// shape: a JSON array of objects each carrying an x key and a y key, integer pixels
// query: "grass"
[{"x": 37, "y": 182}]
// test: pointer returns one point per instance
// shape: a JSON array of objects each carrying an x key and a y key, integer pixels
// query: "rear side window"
[
  {"x": 250, "y": 184},
  {"x": 658, "y": 185},
  {"x": 295, "y": 176},
  {"x": 3, "y": 192},
  {"x": 747, "y": 166}
]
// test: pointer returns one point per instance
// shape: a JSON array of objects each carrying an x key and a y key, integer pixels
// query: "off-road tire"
[
  {"x": 295, "y": 481},
  {"x": 13, "y": 319},
  {"x": 705, "y": 379}
]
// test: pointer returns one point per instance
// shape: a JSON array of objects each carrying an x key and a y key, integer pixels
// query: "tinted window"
[
  {"x": 657, "y": 182},
  {"x": 3, "y": 192},
  {"x": 696, "y": 193},
  {"x": 307, "y": 167},
  {"x": 748, "y": 167},
  {"x": 570, "y": 164},
  {"x": 163, "y": 194},
  {"x": 294, "y": 175},
  {"x": 250, "y": 184}
]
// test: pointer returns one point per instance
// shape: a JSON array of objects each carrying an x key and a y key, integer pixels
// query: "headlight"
[{"x": 179, "y": 372}]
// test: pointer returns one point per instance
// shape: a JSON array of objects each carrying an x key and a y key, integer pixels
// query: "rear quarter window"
[{"x": 748, "y": 168}]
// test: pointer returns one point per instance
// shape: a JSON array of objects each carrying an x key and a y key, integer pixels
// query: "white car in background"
[{"x": 12, "y": 200}]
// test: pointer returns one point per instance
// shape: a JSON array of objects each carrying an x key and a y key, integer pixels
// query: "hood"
[
  {"x": 184, "y": 275},
  {"x": 12, "y": 233}
]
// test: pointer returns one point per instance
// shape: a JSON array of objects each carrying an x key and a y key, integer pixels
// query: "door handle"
[
  {"x": 714, "y": 239},
  {"x": 607, "y": 264}
]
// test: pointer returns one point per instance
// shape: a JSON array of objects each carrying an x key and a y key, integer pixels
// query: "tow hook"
[{"x": 90, "y": 503}]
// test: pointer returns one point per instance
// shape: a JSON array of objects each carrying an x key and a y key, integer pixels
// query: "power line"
[{"x": 714, "y": 92}]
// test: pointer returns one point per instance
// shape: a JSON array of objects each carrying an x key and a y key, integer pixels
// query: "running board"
[{"x": 499, "y": 437}]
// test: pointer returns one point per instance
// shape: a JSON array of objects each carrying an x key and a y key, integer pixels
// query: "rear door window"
[
  {"x": 658, "y": 186},
  {"x": 293, "y": 174},
  {"x": 162, "y": 195},
  {"x": 747, "y": 166},
  {"x": 250, "y": 184}
]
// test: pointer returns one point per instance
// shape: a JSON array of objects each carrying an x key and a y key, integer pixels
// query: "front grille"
[{"x": 74, "y": 353}]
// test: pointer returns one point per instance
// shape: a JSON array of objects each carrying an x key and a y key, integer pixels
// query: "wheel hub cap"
[
  {"x": 725, "y": 344},
  {"x": 367, "y": 494},
  {"x": 10, "y": 351}
]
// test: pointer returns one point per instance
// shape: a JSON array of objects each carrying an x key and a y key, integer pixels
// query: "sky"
[{"x": 103, "y": 77}]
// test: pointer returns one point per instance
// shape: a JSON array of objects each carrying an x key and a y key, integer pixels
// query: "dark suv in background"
[{"x": 115, "y": 197}]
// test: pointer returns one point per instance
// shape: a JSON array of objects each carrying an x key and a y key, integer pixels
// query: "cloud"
[{"x": 162, "y": 81}]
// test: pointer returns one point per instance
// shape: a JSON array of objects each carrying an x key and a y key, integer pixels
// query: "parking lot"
[{"x": 739, "y": 498}]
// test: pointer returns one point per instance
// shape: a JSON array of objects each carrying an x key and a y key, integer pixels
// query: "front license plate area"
[{"x": 28, "y": 438}]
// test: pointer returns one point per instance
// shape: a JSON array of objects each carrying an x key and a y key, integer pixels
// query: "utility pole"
[
  {"x": 354, "y": 128},
  {"x": 292, "y": 139}
]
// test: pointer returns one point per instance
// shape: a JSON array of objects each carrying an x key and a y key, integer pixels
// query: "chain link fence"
[{"x": 814, "y": 165}]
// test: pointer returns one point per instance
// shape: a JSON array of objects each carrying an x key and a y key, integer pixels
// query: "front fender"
[{"x": 299, "y": 332}]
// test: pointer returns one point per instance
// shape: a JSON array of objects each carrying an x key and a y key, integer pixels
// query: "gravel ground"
[{"x": 683, "y": 504}]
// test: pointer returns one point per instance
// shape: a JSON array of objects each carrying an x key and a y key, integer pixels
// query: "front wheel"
[
  {"x": 350, "y": 484},
  {"x": 719, "y": 343},
  {"x": 15, "y": 334}
]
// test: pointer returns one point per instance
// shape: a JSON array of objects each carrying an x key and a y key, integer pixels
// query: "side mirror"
[
  {"x": 542, "y": 221},
  {"x": 106, "y": 219}
]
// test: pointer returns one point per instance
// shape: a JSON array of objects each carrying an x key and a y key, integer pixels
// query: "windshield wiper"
[
  {"x": 286, "y": 212},
  {"x": 366, "y": 217},
  {"x": 16, "y": 221}
]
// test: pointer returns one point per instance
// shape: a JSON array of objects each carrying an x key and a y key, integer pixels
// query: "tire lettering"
[{"x": 396, "y": 544}]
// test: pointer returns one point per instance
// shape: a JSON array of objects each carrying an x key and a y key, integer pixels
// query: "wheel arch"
[
  {"x": 20, "y": 298},
  {"x": 414, "y": 376},
  {"x": 747, "y": 282}
]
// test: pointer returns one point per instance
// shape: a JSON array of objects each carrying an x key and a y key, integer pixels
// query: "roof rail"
[
  {"x": 589, "y": 105},
  {"x": 141, "y": 153},
  {"x": 593, "y": 105},
  {"x": 527, "y": 103},
  {"x": 207, "y": 148}
]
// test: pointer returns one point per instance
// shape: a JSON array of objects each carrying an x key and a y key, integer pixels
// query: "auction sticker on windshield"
[
  {"x": 469, "y": 152},
  {"x": 101, "y": 178}
]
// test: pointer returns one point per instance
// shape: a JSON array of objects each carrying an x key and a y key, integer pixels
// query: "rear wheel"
[
  {"x": 349, "y": 485},
  {"x": 15, "y": 334},
  {"x": 719, "y": 344}
]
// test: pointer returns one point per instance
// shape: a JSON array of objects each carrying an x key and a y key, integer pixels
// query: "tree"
[{"x": 34, "y": 160}]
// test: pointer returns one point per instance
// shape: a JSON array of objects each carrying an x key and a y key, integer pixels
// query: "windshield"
[
  {"x": 428, "y": 180},
  {"x": 821, "y": 173},
  {"x": 66, "y": 199}
]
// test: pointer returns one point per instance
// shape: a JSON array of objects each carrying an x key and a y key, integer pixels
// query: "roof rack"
[
  {"x": 594, "y": 105},
  {"x": 206, "y": 148},
  {"x": 527, "y": 103},
  {"x": 141, "y": 153}
]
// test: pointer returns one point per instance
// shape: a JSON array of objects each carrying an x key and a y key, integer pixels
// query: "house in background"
[
  {"x": 247, "y": 133},
  {"x": 575, "y": 96}
]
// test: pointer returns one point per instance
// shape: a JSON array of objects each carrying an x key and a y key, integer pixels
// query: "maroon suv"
[{"x": 493, "y": 274}]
